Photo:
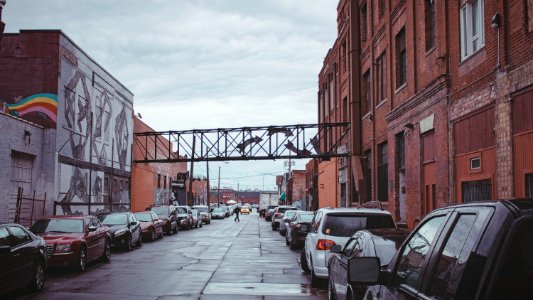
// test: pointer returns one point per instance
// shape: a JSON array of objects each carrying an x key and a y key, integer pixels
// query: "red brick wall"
[{"x": 327, "y": 184}]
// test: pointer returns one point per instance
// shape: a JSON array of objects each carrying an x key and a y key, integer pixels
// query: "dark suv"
[
  {"x": 469, "y": 251},
  {"x": 167, "y": 213}
]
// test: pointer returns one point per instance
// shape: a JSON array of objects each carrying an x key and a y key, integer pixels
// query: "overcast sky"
[{"x": 195, "y": 64}]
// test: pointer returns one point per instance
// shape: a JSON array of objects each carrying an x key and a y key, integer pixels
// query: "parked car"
[
  {"x": 478, "y": 250},
  {"x": 196, "y": 218},
  {"x": 298, "y": 228},
  {"x": 185, "y": 219},
  {"x": 74, "y": 241},
  {"x": 334, "y": 227},
  {"x": 23, "y": 259},
  {"x": 284, "y": 222},
  {"x": 269, "y": 212},
  {"x": 167, "y": 214},
  {"x": 218, "y": 213},
  {"x": 228, "y": 210},
  {"x": 245, "y": 210},
  {"x": 381, "y": 243},
  {"x": 151, "y": 225},
  {"x": 204, "y": 213},
  {"x": 278, "y": 215},
  {"x": 124, "y": 228}
]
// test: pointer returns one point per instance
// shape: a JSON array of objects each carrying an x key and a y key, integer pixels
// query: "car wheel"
[
  {"x": 292, "y": 245},
  {"x": 287, "y": 241},
  {"x": 315, "y": 281},
  {"x": 82, "y": 260},
  {"x": 139, "y": 241},
  {"x": 303, "y": 262},
  {"x": 128, "y": 246},
  {"x": 331, "y": 292},
  {"x": 37, "y": 281},
  {"x": 106, "y": 256},
  {"x": 153, "y": 236},
  {"x": 176, "y": 229},
  {"x": 201, "y": 224},
  {"x": 161, "y": 235}
]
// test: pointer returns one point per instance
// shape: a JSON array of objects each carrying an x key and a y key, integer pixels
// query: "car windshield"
[
  {"x": 306, "y": 217},
  {"x": 144, "y": 217},
  {"x": 346, "y": 225},
  {"x": 218, "y": 210},
  {"x": 284, "y": 209},
  {"x": 194, "y": 212},
  {"x": 161, "y": 211},
  {"x": 181, "y": 210},
  {"x": 58, "y": 225},
  {"x": 201, "y": 208},
  {"x": 115, "y": 219},
  {"x": 289, "y": 214}
]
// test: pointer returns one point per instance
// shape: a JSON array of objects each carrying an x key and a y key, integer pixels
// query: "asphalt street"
[{"x": 223, "y": 260}]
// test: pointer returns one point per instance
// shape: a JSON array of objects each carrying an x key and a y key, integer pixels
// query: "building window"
[
  {"x": 472, "y": 31},
  {"x": 381, "y": 7},
  {"x": 429, "y": 8},
  {"x": 331, "y": 93},
  {"x": 326, "y": 100},
  {"x": 343, "y": 57},
  {"x": 400, "y": 150},
  {"x": 165, "y": 182},
  {"x": 529, "y": 185},
  {"x": 475, "y": 163},
  {"x": 367, "y": 100},
  {"x": 367, "y": 169},
  {"x": 476, "y": 190},
  {"x": 381, "y": 78},
  {"x": 401, "y": 59},
  {"x": 364, "y": 23},
  {"x": 383, "y": 193},
  {"x": 345, "y": 109},
  {"x": 158, "y": 181}
]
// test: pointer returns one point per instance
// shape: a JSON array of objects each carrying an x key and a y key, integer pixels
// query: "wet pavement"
[{"x": 223, "y": 260}]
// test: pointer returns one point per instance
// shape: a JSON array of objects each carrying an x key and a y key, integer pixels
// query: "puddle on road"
[{"x": 258, "y": 289}]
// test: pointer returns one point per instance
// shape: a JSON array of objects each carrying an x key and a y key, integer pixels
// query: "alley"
[{"x": 223, "y": 260}]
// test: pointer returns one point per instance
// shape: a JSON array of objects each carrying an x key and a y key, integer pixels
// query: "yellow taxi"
[{"x": 245, "y": 210}]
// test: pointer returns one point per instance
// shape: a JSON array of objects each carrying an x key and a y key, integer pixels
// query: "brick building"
[
  {"x": 86, "y": 120},
  {"x": 441, "y": 91},
  {"x": 151, "y": 183}
]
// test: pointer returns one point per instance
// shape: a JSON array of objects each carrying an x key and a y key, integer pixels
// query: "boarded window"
[
  {"x": 475, "y": 133},
  {"x": 429, "y": 148},
  {"x": 476, "y": 190},
  {"x": 400, "y": 150},
  {"x": 21, "y": 171},
  {"x": 522, "y": 112}
]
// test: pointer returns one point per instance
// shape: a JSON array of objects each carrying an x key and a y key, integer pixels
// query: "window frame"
[
  {"x": 401, "y": 58},
  {"x": 467, "y": 37},
  {"x": 381, "y": 78},
  {"x": 430, "y": 30}
]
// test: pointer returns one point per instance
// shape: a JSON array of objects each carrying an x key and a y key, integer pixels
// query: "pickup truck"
[{"x": 468, "y": 251}]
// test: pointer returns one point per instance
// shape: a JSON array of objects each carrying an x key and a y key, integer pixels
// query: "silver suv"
[{"x": 334, "y": 226}]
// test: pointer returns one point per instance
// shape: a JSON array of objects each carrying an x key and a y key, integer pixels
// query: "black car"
[
  {"x": 382, "y": 243},
  {"x": 124, "y": 229},
  {"x": 298, "y": 228},
  {"x": 167, "y": 213},
  {"x": 23, "y": 259}
]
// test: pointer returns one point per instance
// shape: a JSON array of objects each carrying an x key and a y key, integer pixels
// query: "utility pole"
[
  {"x": 207, "y": 167},
  {"x": 191, "y": 177},
  {"x": 218, "y": 201}
]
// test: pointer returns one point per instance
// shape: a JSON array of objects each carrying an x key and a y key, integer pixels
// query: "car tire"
[
  {"x": 128, "y": 246},
  {"x": 106, "y": 256},
  {"x": 201, "y": 224},
  {"x": 37, "y": 281},
  {"x": 153, "y": 236},
  {"x": 303, "y": 262},
  {"x": 292, "y": 245},
  {"x": 82, "y": 260},
  {"x": 287, "y": 241},
  {"x": 176, "y": 229}
]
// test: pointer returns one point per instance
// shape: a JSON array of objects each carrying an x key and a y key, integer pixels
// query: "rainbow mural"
[{"x": 41, "y": 103}]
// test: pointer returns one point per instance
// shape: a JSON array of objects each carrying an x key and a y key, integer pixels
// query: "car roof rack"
[{"x": 371, "y": 204}]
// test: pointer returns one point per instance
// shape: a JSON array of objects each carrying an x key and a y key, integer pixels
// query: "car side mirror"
[
  {"x": 5, "y": 249},
  {"x": 363, "y": 270},
  {"x": 133, "y": 223},
  {"x": 173, "y": 213},
  {"x": 336, "y": 249},
  {"x": 92, "y": 228}
]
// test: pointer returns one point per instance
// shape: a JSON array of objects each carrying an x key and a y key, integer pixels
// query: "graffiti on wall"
[
  {"x": 122, "y": 136},
  {"x": 38, "y": 108},
  {"x": 77, "y": 191}
]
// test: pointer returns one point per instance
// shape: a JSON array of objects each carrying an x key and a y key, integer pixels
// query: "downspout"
[{"x": 355, "y": 116}]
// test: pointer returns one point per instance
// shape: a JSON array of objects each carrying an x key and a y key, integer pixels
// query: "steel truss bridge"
[{"x": 245, "y": 143}]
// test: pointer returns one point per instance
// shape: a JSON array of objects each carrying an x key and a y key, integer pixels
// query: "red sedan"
[
  {"x": 74, "y": 241},
  {"x": 151, "y": 225}
]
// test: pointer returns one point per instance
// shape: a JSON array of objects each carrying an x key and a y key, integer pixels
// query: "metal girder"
[{"x": 244, "y": 143}]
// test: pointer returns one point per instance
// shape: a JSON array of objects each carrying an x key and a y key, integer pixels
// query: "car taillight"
[{"x": 324, "y": 244}]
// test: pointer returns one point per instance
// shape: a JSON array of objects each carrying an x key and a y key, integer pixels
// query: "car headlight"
[
  {"x": 120, "y": 232},
  {"x": 62, "y": 248}
]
